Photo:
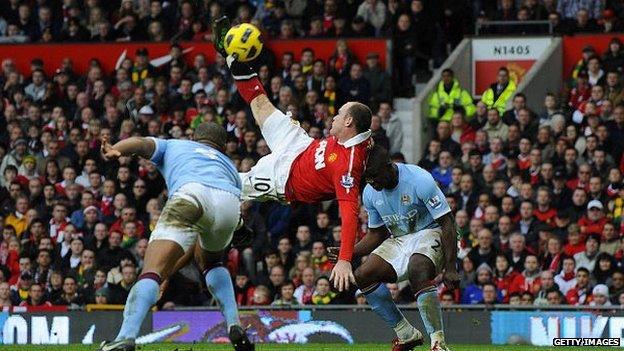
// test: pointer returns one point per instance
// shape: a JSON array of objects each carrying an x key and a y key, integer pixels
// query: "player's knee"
[
  {"x": 421, "y": 271},
  {"x": 362, "y": 278}
]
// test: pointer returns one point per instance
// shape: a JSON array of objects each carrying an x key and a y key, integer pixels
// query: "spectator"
[
  {"x": 374, "y": 13},
  {"x": 119, "y": 292},
  {"x": 287, "y": 298},
  {"x": 600, "y": 296},
  {"x": 5, "y": 295},
  {"x": 355, "y": 87},
  {"x": 484, "y": 252},
  {"x": 527, "y": 280},
  {"x": 547, "y": 282},
  {"x": 70, "y": 295},
  {"x": 503, "y": 276},
  {"x": 322, "y": 293},
  {"x": 36, "y": 297},
  {"x": 494, "y": 127},
  {"x": 554, "y": 297},
  {"x": 473, "y": 293},
  {"x": 604, "y": 268},
  {"x": 448, "y": 97},
  {"x": 305, "y": 291},
  {"x": 378, "y": 79},
  {"x": 587, "y": 258},
  {"x": 580, "y": 294},
  {"x": 496, "y": 96},
  {"x": 610, "y": 239},
  {"x": 261, "y": 296},
  {"x": 566, "y": 280}
]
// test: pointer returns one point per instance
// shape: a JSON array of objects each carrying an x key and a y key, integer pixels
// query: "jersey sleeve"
[
  {"x": 374, "y": 218},
  {"x": 159, "y": 152},
  {"x": 348, "y": 214},
  {"x": 431, "y": 195}
]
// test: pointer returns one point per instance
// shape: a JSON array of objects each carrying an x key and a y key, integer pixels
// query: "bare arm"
[
  {"x": 370, "y": 241},
  {"x": 139, "y": 146},
  {"x": 261, "y": 108},
  {"x": 449, "y": 240},
  {"x": 449, "y": 248},
  {"x": 364, "y": 247}
]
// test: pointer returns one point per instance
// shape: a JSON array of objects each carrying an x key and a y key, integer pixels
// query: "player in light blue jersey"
[
  {"x": 411, "y": 236},
  {"x": 199, "y": 218}
]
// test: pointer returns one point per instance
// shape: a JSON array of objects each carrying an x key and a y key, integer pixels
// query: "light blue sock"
[
  {"x": 381, "y": 302},
  {"x": 220, "y": 286},
  {"x": 429, "y": 308},
  {"x": 142, "y": 297}
]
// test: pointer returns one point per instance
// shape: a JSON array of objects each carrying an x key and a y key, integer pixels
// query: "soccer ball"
[{"x": 244, "y": 40}]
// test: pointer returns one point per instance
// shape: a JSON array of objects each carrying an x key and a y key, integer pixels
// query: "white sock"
[
  {"x": 439, "y": 337},
  {"x": 404, "y": 330}
]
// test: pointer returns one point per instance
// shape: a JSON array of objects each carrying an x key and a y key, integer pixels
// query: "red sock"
[{"x": 250, "y": 89}]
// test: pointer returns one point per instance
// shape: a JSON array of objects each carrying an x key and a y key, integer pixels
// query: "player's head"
[
  {"x": 211, "y": 134},
  {"x": 353, "y": 118},
  {"x": 380, "y": 172}
]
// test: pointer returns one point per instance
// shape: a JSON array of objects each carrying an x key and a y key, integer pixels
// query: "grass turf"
[{"x": 291, "y": 347}]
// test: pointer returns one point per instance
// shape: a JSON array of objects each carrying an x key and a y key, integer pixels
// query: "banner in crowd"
[
  {"x": 540, "y": 328},
  {"x": 110, "y": 54},
  {"x": 517, "y": 54},
  {"x": 573, "y": 48},
  {"x": 62, "y": 328}
]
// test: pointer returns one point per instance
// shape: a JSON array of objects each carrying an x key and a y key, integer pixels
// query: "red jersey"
[{"x": 329, "y": 170}]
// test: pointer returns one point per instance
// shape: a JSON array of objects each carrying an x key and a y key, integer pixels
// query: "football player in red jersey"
[{"x": 301, "y": 169}]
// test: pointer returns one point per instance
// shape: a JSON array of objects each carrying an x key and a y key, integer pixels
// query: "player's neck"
[{"x": 346, "y": 135}]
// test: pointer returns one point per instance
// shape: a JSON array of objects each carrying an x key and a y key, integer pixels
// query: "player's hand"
[
  {"x": 451, "y": 278},
  {"x": 342, "y": 275},
  {"x": 332, "y": 253},
  {"x": 108, "y": 151},
  {"x": 240, "y": 70}
]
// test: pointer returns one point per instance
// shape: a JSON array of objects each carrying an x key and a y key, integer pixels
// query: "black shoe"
[
  {"x": 239, "y": 339},
  {"x": 123, "y": 345}
]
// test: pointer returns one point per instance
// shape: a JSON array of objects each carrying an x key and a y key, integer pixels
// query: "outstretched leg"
[
  {"x": 422, "y": 272},
  {"x": 371, "y": 277},
  {"x": 219, "y": 283},
  {"x": 160, "y": 258}
]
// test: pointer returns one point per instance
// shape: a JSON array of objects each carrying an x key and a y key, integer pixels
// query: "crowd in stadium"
[{"x": 537, "y": 195}]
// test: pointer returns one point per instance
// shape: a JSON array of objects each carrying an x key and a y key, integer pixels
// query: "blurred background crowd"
[{"x": 537, "y": 195}]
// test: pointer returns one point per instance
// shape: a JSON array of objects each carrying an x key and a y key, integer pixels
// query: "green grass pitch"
[{"x": 294, "y": 347}]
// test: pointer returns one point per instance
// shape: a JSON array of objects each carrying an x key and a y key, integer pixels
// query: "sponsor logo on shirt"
[{"x": 319, "y": 155}]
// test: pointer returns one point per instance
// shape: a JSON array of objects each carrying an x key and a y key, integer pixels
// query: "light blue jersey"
[
  {"x": 184, "y": 161},
  {"x": 413, "y": 205}
]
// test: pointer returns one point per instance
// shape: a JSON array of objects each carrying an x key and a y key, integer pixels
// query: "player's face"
[{"x": 339, "y": 121}]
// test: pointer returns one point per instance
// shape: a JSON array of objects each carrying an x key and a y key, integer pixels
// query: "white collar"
[{"x": 356, "y": 139}]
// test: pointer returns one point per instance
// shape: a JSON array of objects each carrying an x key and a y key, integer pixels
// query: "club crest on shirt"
[
  {"x": 434, "y": 202},
  {"x": 405, "y": 199},
  {"x": 347, "y": 181},
  {"x": 332, "y": 157}
]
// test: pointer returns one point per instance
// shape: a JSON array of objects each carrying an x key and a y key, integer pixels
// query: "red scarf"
[{"x": 554, "y": 264}]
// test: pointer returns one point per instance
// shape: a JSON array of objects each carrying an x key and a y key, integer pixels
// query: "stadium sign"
[
  {"x": 62, "y": 328},
  {"x": 517, "y": 54},
  {"x": 544, "y": 328}
]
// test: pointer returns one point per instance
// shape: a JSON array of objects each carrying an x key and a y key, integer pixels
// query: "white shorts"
[
  {"x": 398, "y": 251},
  {"x": 267, "y": 179},
  {"x": 197, "y": 211}
]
